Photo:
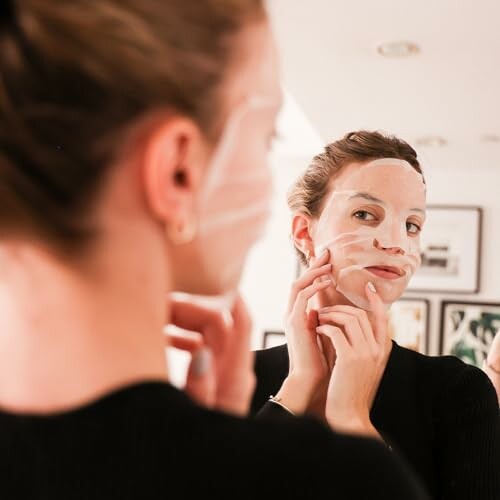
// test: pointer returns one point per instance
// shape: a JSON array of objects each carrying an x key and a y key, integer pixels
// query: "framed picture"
[
  {"x": 450, "y": 250},
  {"x": 409, "y": 323},
  {"x": 273, "y": 339},
  {"x": 468, "y": 329}
]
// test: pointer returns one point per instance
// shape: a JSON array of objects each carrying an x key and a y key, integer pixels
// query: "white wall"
[
  {"x": 479, "y": 186},
  {"x": 272, "y": 264}
]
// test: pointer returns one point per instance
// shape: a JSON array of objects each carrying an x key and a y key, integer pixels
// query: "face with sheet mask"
[
  {"x": 371, "y": 222},
  {"x": 234, "y": 200}
]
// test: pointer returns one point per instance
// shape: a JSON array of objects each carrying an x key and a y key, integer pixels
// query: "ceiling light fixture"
[{"x": 398, "y": 49}]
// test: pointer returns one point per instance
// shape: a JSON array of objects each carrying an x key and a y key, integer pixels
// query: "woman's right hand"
[{"x": 308, "y": 365}]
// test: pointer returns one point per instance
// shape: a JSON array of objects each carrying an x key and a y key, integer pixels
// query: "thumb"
[
  {"x": 379, "y": 313},
  {"x": 201, "y": 380}
]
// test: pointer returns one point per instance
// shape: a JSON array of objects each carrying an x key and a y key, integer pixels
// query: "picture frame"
[
  {"x": 273, "y": 338},
  {"x": 450, "y": 250},
  {"x": 467, "y": 329},
  {"x": 409, "y": 323}
]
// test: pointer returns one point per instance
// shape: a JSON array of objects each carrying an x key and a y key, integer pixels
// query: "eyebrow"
[
  {"x": 373, "y": 199},
  {"x": 366, "y": 196}
]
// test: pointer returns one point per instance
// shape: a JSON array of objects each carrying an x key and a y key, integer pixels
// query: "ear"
[
  {"x": 301, "y": 233},
  {"x": 173, "y": 165}
]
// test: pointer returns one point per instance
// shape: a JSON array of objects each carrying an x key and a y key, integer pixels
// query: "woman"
[
  {"x": 127, "y": 130},
  {"x": 362, "y": 203}
]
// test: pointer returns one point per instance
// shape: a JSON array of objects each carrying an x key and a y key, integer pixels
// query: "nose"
[{"x": 393, "y": 250}]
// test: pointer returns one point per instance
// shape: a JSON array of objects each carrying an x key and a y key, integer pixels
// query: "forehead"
[{"x": 389, "y": 180}]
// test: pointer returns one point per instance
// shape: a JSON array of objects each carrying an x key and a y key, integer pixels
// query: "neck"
[{"x": 71, "y": 333}]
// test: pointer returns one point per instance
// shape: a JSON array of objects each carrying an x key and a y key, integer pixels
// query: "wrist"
[
  {"x": 295, "y": 394},
  {"x": 353, "y": 424}
]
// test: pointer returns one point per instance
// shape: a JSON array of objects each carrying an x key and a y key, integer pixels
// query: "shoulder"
[
  {"x": 298, "y": 451},
  {"x": 271, "y": 357},
  {"x": 456, "y": 384}
]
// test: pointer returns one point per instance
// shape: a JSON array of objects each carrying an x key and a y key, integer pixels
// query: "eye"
[
  {"x": 413, "y": 228},
  {"x": 364, "y": 215}
]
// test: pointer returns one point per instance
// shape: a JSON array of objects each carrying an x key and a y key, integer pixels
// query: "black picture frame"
[
  {"x": 271, "y": 338},
  {"x": 467, "y": 329},
  {"x": 451, "y": 251}
]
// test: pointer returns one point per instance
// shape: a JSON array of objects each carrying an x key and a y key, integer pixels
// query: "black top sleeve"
[
  {"x": 370, "y": 469},
  {"x": 468, "y": 430}
]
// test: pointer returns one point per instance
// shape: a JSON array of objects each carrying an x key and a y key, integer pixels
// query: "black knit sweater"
[
  {"x": 440, "y": 413},
  {"x": 151, "y": 442}
]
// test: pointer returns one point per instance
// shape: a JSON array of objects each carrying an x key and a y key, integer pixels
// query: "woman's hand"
[
  {"x": 308, "y": 366},
  {"x": 362, "y": 349},
  {"x": 221, "y": 374},
  {"x": 492, "y": 364}
]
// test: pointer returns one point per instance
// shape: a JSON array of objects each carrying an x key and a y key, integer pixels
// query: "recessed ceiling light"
[
  {"x": 431, "y": 141},
  {"x": 490, "y": 138},
  {"x": 398, "y": 49}
]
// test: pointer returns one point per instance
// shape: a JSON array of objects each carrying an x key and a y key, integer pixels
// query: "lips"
[{"x": 386, "y": 272}]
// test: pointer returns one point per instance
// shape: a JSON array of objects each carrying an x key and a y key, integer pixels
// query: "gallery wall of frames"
[{"x": 451, "y": 269}]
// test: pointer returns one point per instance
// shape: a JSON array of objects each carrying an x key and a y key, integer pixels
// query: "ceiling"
[{"x": 450, "y": 88}]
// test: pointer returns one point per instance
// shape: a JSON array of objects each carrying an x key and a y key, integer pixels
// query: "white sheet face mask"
[
  {"x": 234, "y": 203},
  {"x": 370, "y": 223}
]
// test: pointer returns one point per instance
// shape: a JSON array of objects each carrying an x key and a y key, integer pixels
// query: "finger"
[
  {"x": 360, "y": 314},
  {"x": 307, "y": 293},
  {"x": 328, "y": 351},
  {"x": 210, "y": 323},
  {"x": 189, "y": 343},
  {"x": 237, "y": 368},
  {"x": 201, "y": 382},
  {"x": 336, "y": 336},
  {"x": 321, "y": 260},
  {"x": 307, "y": 279},
  {"x": 241, "y": 334},
  {"x": 312, "y": 320},
  {"x": 379, "y": 314},
  {"x": 349, "y": 324},
  {"x": 194, "y": 317},
  {"x": 242, "y": 321}
]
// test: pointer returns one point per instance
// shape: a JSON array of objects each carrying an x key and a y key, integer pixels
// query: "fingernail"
[
  {"x": 201, "y": 362},
  {"x": 371, "y": 287}
]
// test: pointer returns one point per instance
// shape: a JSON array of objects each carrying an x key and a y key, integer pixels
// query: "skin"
[
  {"x": 62, "y": 321},
  {"x": 492, "y": 365},
  {"x": 338, "y": 351},
  {"x": 402, "y": 201}
]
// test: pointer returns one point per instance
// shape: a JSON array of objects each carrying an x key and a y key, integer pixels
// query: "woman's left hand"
[{"x": 362, "y": 350}]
